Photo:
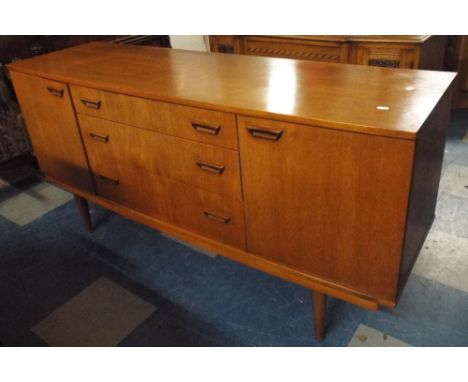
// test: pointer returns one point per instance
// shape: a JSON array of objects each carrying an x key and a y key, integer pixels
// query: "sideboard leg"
[
  {"x": 319, "y": 314},
  {"x": 82, "y": 205}
]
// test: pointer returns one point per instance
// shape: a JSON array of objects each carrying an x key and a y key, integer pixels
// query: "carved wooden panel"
[
  {"x": 301, "y": 50},
  {"x": 384, "y": 63},
  {"x": 386, "y": 56}
]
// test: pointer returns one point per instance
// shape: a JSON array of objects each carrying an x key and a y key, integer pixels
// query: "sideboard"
[
  {"x": 325, "y": 175},
  {"x": 411, "y": 52}
]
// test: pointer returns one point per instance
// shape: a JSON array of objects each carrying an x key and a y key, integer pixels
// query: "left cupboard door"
[{"x": 50, "y": 120}]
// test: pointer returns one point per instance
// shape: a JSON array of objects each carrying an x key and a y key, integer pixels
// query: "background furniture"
[
  {"x": 330, "y": 182},
  {"x": 13, "y": 136},
  {"x": 414, "y": 52},
  {"x": 461, "y": 63}
]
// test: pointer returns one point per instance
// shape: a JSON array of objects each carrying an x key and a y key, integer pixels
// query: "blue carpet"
[
  {"x": 204, "y": 301},
  {"x": 201, "y": 301}
]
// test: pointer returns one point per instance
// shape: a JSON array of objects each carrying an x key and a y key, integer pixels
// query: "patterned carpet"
[{"x": 127, "y": 285}]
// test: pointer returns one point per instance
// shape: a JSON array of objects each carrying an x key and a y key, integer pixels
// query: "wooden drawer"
[
  {"x": 208, "y": 167},
  {"x": 210, "y": 215},
  {"x": 297, "y": 49},
  {"x": 207, "y": 126},
  {"x": 202, "y": 212},
  {"x": 138, "y": 190}
]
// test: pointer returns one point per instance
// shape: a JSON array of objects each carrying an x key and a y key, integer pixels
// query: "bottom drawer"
[
  {"x": 208, "y": 214},
  {"x": 137, "y": 191},
  {"x": 211, "y": 215}
]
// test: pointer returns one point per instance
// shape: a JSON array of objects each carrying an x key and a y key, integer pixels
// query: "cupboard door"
[
  {"x": 326, "y": 202},
  {"x": 51, "y": 124}
]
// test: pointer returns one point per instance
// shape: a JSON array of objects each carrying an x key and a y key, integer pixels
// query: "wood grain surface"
[{"x": 373, "y": 100}]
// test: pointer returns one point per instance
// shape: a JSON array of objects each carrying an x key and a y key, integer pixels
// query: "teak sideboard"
[{"x": 322, "y": 174}]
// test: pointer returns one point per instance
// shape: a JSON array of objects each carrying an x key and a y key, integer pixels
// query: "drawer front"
[
  {"x": 204, "y": 213},
  {"x": 302, "y": 50},
  {"x": 137, "y": 190},
  {"x": 206, "y": 126},
  {"x": 204, "y": 166},
  {"x": 210, "y": 215}
]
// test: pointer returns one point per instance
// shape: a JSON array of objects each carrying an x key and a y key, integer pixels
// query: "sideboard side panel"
[{"x": 429, "y": 152}]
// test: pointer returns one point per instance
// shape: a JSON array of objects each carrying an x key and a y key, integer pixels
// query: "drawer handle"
[
  {"x": 218, "y": 170},
  {"x": 208, "y": 129},
  {"x": 100, "y": 138},
  {"x": 269, "y": 135},
  {"x": 55, "y": 92},
  {"x": 106, "y": 179},
  {"x": 216, "y": 218},
  {"x": 91, "y": 104}
]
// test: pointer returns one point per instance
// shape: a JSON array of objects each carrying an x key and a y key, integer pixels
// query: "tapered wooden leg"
[
  {"x": 319, "y": 300},
  {"x": 82, "y": 205}
]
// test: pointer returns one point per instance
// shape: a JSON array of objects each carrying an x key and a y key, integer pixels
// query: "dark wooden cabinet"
[
  {"x": 412, "y": 52},
  {"x": 461, "y": 65}
]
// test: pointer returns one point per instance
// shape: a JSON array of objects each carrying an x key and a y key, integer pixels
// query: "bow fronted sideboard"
[
  {"x": 322, "y": 174},
  {"x": 410, "y": 52}
]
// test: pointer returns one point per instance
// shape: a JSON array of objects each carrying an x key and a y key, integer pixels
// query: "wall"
[{"x": 189, "y": 42}]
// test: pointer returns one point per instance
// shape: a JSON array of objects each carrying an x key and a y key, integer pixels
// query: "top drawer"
[{"x": 207, "y": 126}]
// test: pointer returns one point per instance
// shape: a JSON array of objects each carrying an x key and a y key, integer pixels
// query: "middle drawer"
[{"x": 204, "y": 166}]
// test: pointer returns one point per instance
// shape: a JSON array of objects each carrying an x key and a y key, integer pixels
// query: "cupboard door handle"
[
  {"x": 106, "y": 179},
  {"x": 216, "y": 218},
  {"x": 55, "y": 92},
  {"x": 269, "y": 135},
  {"x": 215, "y": 169},
  {"x": 91, "y": 104},
  {"x": 99, "y": 137},
  {"x": 208, "y": 129}
]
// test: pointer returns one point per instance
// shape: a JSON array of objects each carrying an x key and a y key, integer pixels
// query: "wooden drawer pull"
[
  {"x": 216, "y": 218},
  {"x": 106, "y": 179},
  {"x": 269, "y": 135},
  {"x": 55, "y": 92},
  {"x": 99, "y": 137},
  {"x": 215, "y": 169},
  {"x": 208, "y": 129},
  {"x": 91, "y": 104}
]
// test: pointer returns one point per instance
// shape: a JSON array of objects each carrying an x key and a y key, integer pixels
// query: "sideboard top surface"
[{"x": 380, "y": 101}]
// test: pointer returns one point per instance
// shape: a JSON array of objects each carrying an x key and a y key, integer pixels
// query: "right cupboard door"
[{"x": 326, "y": 202}]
